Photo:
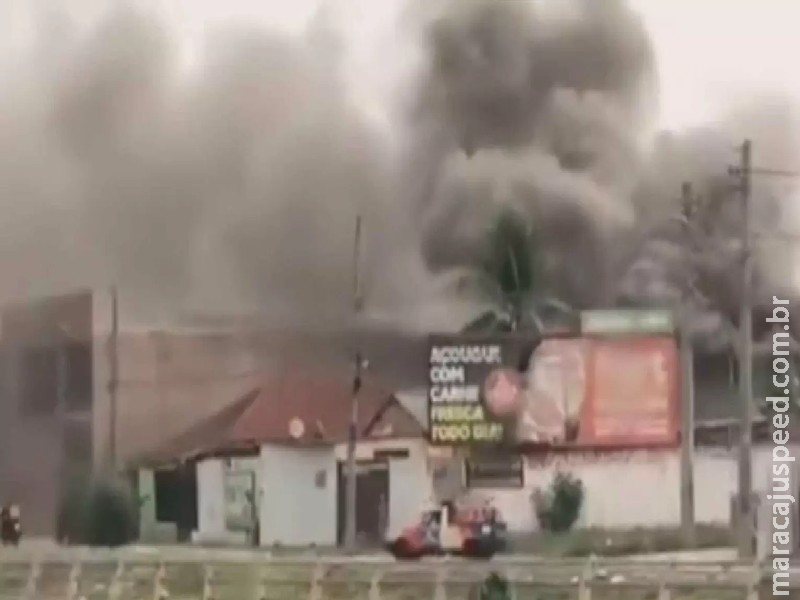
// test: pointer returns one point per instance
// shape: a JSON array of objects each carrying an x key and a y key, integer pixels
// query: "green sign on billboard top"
[{"x": 616, "y": 321}]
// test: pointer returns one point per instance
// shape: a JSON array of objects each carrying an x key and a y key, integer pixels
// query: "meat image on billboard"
[
  {"x": 553, "y": 399},
  {"x": 564, "y": 391}
]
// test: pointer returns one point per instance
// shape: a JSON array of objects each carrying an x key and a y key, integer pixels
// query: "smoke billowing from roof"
[
  {"x": 236, "y": 184},
  {"x": 552, "y": 103}
]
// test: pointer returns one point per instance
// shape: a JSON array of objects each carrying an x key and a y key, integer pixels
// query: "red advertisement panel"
[{"x": 631, "y": 392}]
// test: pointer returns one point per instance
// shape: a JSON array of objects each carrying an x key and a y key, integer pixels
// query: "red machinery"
[{"x": 478, "y": 533}]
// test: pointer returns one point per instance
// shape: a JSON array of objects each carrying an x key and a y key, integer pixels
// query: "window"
[
  {"x": 176, "y": 499},
  {"x": 168, "y": 496},
  {"x": 79, "y": 380},
  {"x": 38, "y": 380}
]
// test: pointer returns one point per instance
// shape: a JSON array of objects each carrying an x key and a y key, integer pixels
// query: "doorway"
[
  {"x": 176, "y": 499},
  {"x": 372, "y": 502}
]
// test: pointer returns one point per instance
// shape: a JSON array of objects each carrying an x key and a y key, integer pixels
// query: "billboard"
[{"x": 504, "y": 390}]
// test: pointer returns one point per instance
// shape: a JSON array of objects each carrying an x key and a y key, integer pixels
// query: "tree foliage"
[
  {"x": 511, "y": 280},
  {"x": 98, "y": 512}
]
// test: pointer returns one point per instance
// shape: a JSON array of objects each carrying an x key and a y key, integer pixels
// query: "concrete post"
[
  {"x": 160, "y": 591},
  {"x": 31, "y": 587},
  {"x": 74, "y": 584},
  {"x": 115, "y": 586},
  {"x": 440, "y": 592},
  {"x": 208, "y": 577},
  {"x": 315, "y": 592},
  {"x": 375, "y": 586}
]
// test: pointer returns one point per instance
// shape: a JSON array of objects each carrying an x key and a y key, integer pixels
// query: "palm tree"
[{"x": 511, "y": 281}]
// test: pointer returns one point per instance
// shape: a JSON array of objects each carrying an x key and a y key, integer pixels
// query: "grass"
[
  {"x": 618, "y": 542},
  {"x": 575, "y": 543}
]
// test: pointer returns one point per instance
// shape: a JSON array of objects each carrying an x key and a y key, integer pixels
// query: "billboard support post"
[{"x": 687, "y": 437}]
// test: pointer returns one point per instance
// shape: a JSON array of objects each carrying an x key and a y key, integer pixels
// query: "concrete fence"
[{"x": 92, "y": 577}]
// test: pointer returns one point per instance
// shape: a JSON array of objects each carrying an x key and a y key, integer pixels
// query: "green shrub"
[
  {"x": 558, "y": 508},
  {"x": 98, "y": 512}
]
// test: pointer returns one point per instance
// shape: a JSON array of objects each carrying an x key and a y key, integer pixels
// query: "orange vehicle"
[{"x": 476, "y": 533}]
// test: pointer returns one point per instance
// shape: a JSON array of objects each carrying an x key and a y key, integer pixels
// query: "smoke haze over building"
[{"x": 234, "y": 186}]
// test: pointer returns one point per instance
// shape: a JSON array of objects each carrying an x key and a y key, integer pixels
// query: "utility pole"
[
  {"x": 745, "y": 503},
  {"x": 687, "y": 385},
  {"x": 352, "y": 438},
  {"x": 113, "y": 379}
]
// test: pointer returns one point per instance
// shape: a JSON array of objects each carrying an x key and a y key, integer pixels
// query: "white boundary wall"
[{"x": 637, "y": 488}]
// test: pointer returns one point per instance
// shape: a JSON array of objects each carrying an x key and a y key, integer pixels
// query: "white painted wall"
[
  {"x": 294, "y": 511},
  {"x": 211, "y": 503},
  {"x": 637, "y": 488},
  {"x": 410, "y": 491},
  {"x": 211, "y": 499}
]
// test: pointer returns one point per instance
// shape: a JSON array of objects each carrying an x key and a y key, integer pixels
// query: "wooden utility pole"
[
  {"x": 745, "y": 501},
  {"x": 352, "y": 438},
  {"x": 687, "y": 386},
  {"x": 113, "y": 379}
]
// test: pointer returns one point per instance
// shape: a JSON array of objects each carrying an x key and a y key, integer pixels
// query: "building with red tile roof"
[
  {"x": 285, "y": 440},
  {"x": 296, "y": 407}
]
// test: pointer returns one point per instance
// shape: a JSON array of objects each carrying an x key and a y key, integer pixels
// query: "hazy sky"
[{"x": 709, "y": 51}]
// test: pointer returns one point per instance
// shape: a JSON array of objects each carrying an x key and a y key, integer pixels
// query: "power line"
[
  {"x": 777, "y": 236},
  {"x": 775, "y": 173},
  {"x": 736, "y": 170}
]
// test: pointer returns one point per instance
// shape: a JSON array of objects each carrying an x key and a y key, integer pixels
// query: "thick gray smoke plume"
[
  {"x": 235, "y": 185},
  {"x": 709, "y": 254},
  {"x": 552, "y": 102},
  {"x": 545, "y": 107}
]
